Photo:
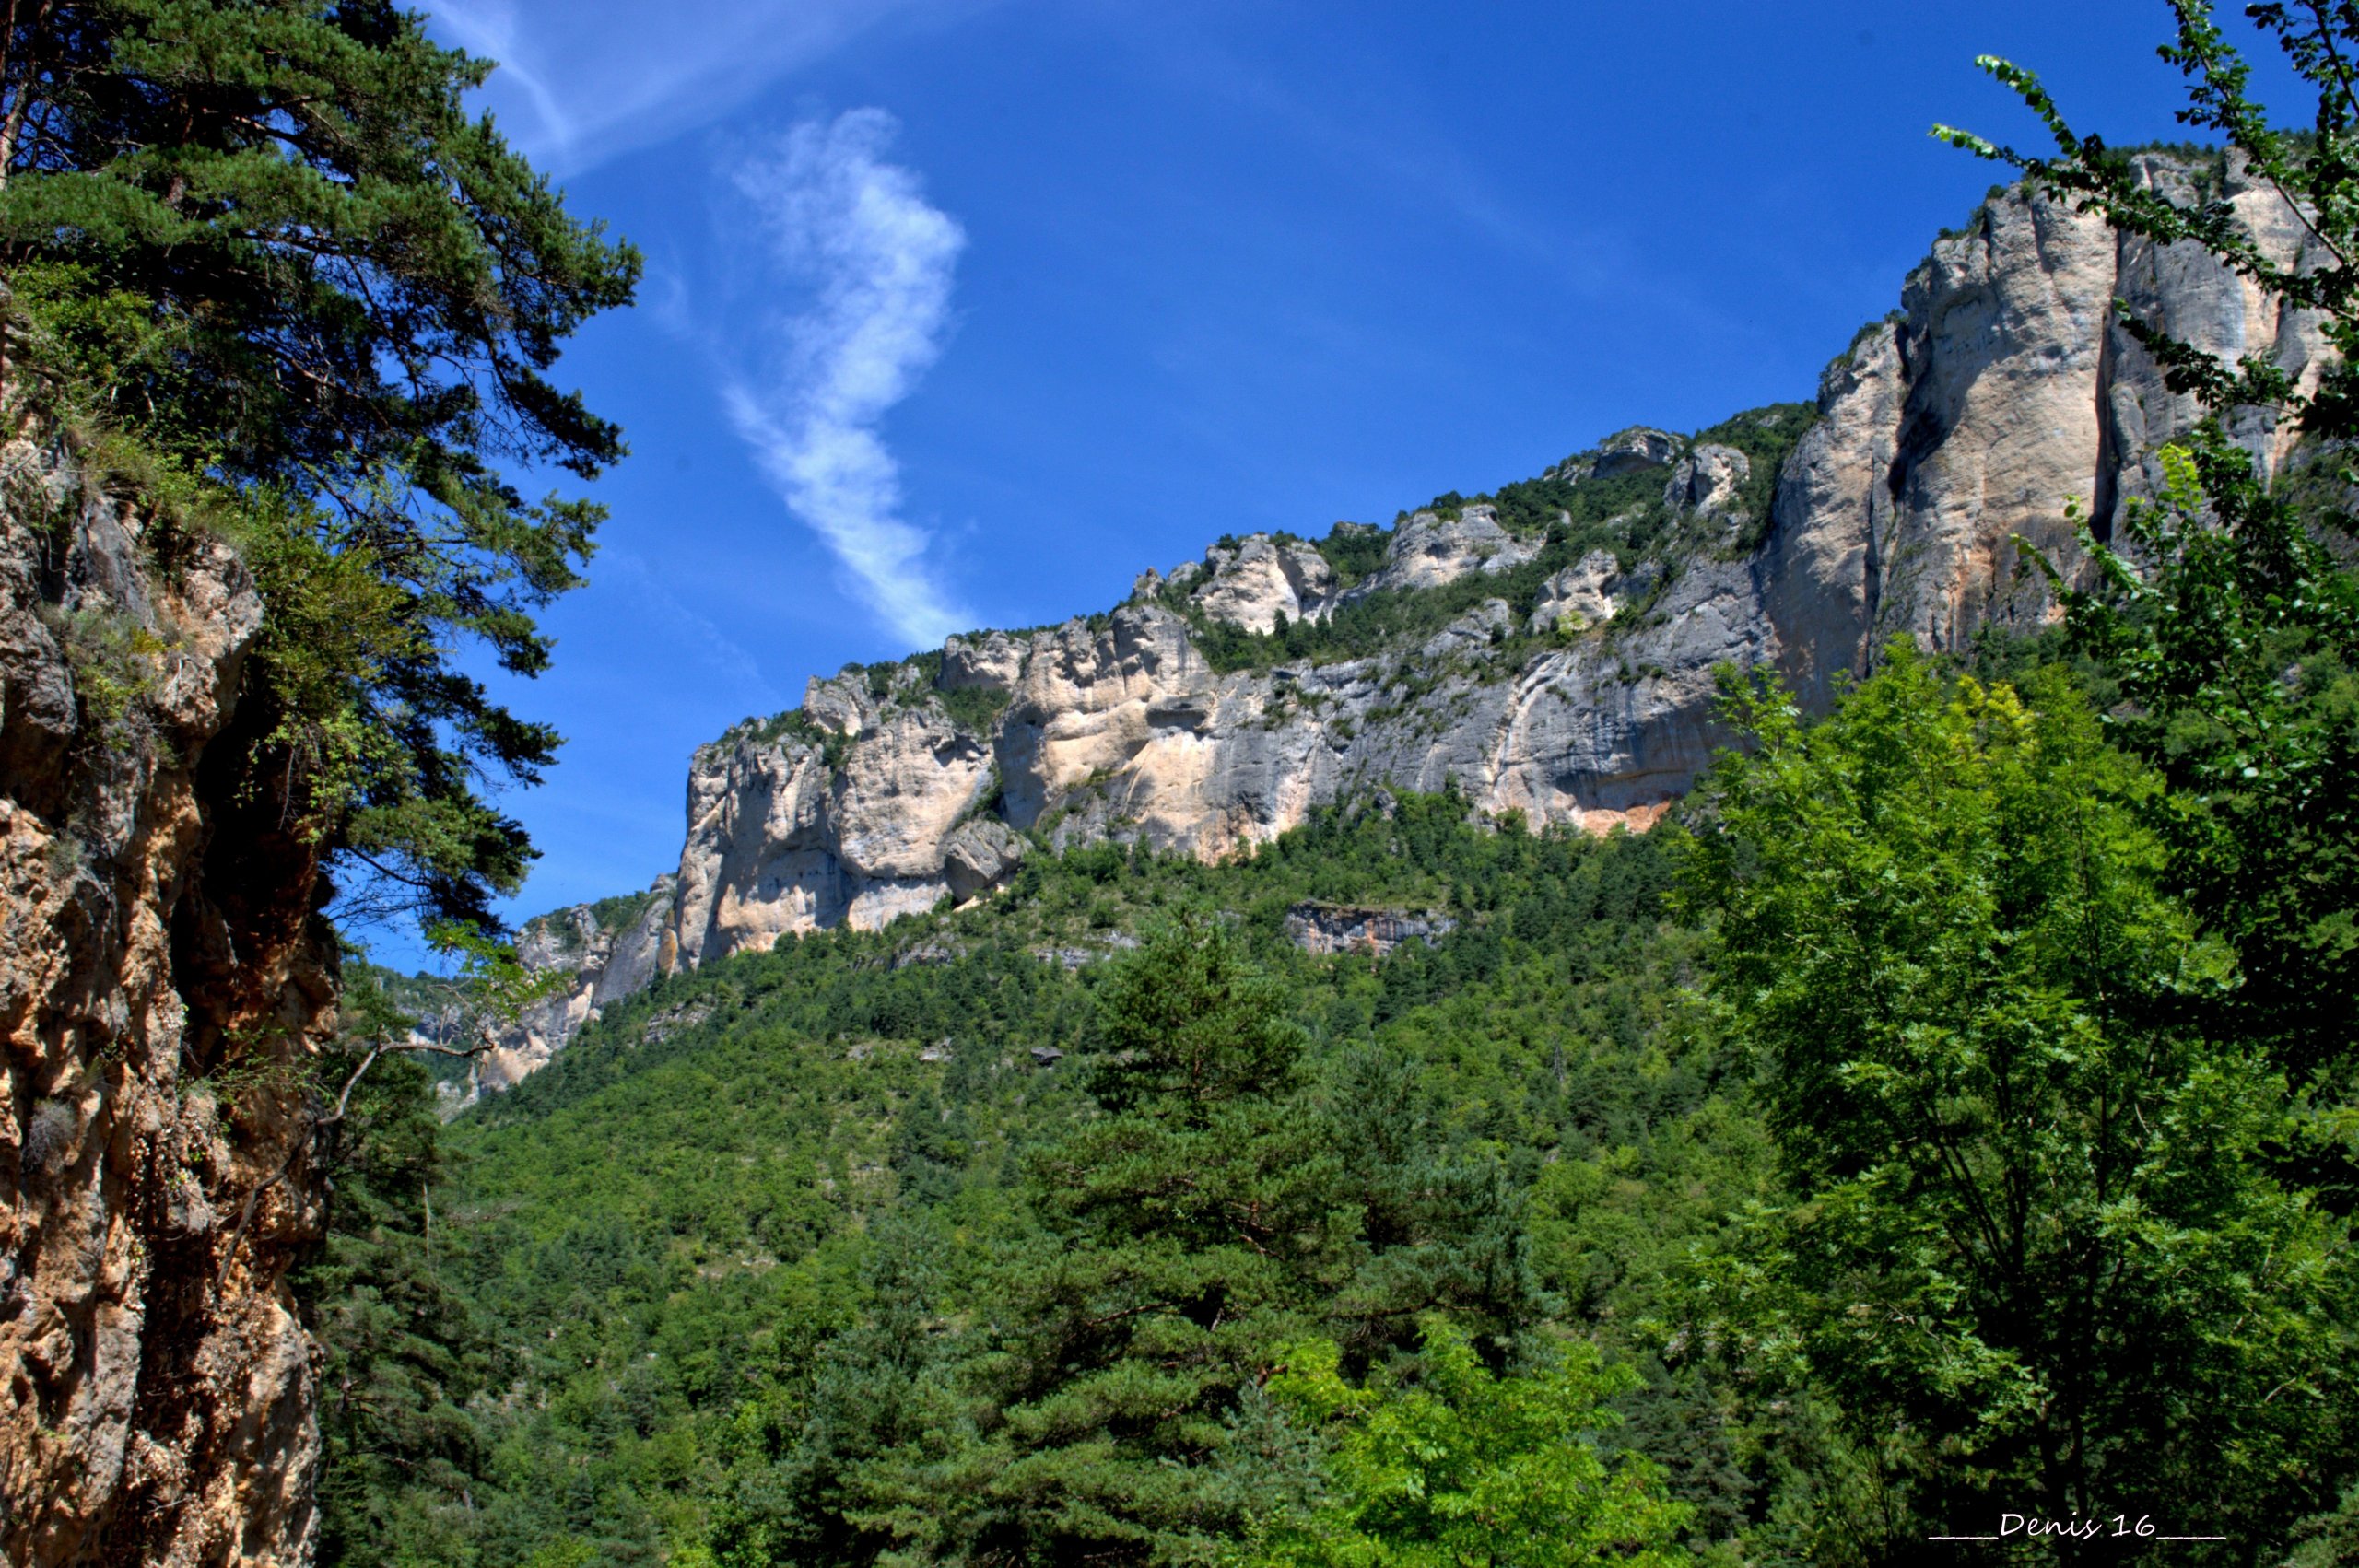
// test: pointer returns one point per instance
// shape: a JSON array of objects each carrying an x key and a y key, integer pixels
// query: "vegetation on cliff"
[
  {"x": 1568, "y": 511},
  {"x": 1947, "y": 1116},
  {"x": 274, "y": 276}
]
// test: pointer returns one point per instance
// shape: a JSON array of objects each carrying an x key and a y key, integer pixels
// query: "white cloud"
[
  {"x": 583, "y": 80},
  {"x": 876, "y": 262}
]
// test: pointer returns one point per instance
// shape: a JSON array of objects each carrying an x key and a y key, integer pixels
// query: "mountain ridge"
[{"x": 1549, "y": 650}]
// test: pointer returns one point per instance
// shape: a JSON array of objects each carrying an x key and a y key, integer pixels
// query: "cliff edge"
[
  {"x": 162, "y": 978},
  {"x": 1548, "y": 650}
]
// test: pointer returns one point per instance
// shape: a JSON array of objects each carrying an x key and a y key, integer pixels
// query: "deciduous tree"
[{"x": 2033, "y": 1254}]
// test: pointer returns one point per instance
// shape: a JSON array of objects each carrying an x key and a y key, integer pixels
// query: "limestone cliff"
[
  {"x": 2002, "y": 391},
  {"x": 610, "y": 949},
  {"x": 157, "y": 986},
  {"x": 1549, "y": 650}
]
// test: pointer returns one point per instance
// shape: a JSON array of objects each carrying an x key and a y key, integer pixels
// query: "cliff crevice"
[{"x": 163, "y": 978}]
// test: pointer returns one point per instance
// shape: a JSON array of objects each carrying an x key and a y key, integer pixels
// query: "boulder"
[{"x": 980, "y": 855}]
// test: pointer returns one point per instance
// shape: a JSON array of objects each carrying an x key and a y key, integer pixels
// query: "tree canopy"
[
  {"x": 262, "y": 258},
  {"x": 2033, "y": 1249},
  {"x": 2224, "y": 608}
]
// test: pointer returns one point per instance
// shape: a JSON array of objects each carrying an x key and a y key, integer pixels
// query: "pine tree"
[
  {"x": 401, "y": 1351},
  {"x": 264, "y": 265},
  {"x": 880, "y": 1388},
  {"x": 1225, "y": 1205}
]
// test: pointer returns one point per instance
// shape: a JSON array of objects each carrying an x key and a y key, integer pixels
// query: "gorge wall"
[
  {"x": 161, "y": 979},
  {"x": 1572, "y": 680}
]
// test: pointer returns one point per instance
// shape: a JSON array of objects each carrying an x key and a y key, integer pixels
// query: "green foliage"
[
  {"x": 1451, "y": 1465},
  {"x": 1624, "y": 513},
  {"x": 1209, "y": 1213},
  {"x": 832, "y": 745},
  {"x": 1882, "y": 326},
  {"x": 623, "y": 911},
  {"x": 803, "y": 1257},
  {"x": 497, "y": 987},
  {"x": 1384, "y": 622},
  {"x": 1572, "y": 514},
  {"x": 876, "y": 1390},
  {"x": 1975, "y": 1136},
  {"x": 2227, "y": 617},
  {"x": 2230, "y": 621},
  {"x": 1352, "y": 550},
  {"x": 973, "y": 708},
  {"x": 1187, "y": 1027},
  {"x": 272, "y": 277},
  {"x": 115, "y": 667},
  {"x": 2238, "y": 648},
  {"x": 756, "y": 1254},
  {"x": 402, "y": 1352},
  {"x": 2034, "y": 1253}
]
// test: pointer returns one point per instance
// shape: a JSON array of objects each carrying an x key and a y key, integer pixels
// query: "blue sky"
[{"x": 961, "y": 313}]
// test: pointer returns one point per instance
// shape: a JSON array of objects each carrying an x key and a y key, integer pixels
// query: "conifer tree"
[
  {"x": 401, "y": 1350},
  {"x": 263, "y": 243},
  {"x": 1223, "y": 1206}
]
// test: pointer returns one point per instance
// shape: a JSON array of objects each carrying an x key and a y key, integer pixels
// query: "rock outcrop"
[
  {"x": 607, "y": 951},
  {"x": 1429, "y": 551},
  {"x": 2002, "y": 392},
  {"x": 161, "y": 979},
  {"x": 1708, "y": 480},
  {"x": 1259, "y": 579},
  {"x": 1329, "y": 928},
  {"x": 1632, "y": 451},
  {"x": 1588, "y": 593},
  {"x": 1119, "y": 726},
  {"x": 1557, "y": 678}
]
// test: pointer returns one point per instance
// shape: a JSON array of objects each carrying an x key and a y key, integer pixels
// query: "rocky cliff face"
[
  {"x": 158, "y": 1403},
  {"x": 2002, "y": 391},
  {"x": 1549, "y": 652},
  {"x": 610, "y": 950},
  {"x": 1331, "y": 929}
]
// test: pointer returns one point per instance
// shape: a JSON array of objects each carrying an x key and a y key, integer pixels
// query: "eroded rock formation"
[
  {"x": 608, "y": 950},
  {"x": 2000, "y": 400},
  {"x": 158, "y": 981},
  {"x": 2000, "y": 394},
  {"x": 1330, "y": 928}
]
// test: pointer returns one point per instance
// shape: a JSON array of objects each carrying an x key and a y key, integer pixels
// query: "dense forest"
[
  {"x": 1942, "y": 1128},
  {"x": 1871, "y": 1152}
]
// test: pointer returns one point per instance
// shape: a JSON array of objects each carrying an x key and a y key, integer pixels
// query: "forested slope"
[
  {"x": 1944, "y": 1117},
  {"x": 667, "y": 1234},
  {"x": 1832, "y": 1168}
]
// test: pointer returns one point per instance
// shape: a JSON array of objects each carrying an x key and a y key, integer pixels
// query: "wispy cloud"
[
  {"x": 876, "y": 260},
  {"x": 582, "y": 80}
]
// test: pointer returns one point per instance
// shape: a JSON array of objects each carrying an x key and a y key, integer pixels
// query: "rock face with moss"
[
  {"x": 156, "y": 1005},
  {"x": 1549, "y": 650}
]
